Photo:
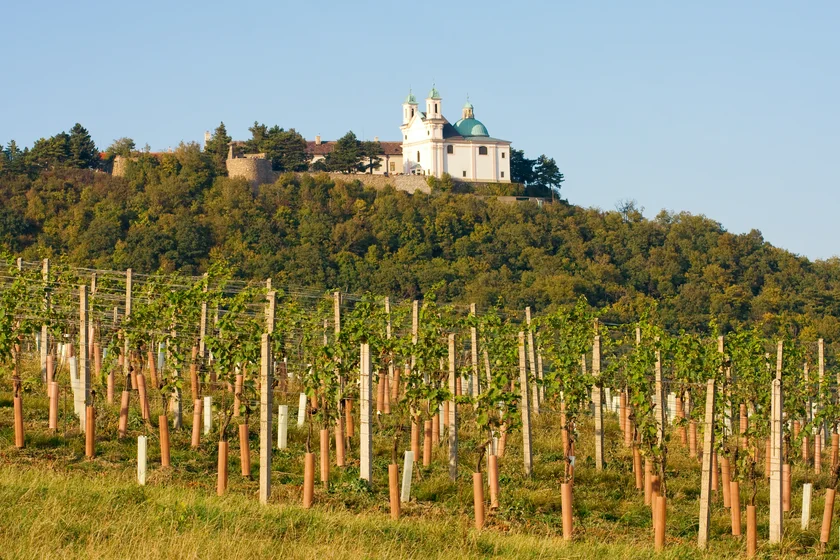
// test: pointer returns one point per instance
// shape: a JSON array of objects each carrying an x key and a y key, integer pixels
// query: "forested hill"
[{"x": 308, "y": 230}]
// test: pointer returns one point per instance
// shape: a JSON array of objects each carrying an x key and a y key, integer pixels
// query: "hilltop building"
[{"x": 465, "y": 150}]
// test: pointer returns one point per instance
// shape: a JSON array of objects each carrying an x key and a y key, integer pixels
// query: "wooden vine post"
[
  {"x": 532, "y": 363},
  {"x": 453, "y": 413},
  {"x": 365, "y": 433},
  {"x": 202, "y": 325},
  {"x": 596, "y": 400},
  {"x": 706, "y": 480},
  {"x": 266, "y": 407},
  {"x": 659, "y": 399},
  {"x": 776, "y": 446},
  {"x": 526, "y": 410},
  {"x": 84, "y": 362},
  {"x": 474, "y": 354},
  {"x": 127, "y": 314},
  {"x": 45, "y": 334}
]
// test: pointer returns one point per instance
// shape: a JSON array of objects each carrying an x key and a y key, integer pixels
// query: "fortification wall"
[
  {"x": 257, "y": 171},
  {"x": 119, "y": 165},
  {"x": 407, "y": 183}
]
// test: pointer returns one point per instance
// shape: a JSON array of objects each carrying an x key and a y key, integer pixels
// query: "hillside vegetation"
[{"x": 312, "y": 231}]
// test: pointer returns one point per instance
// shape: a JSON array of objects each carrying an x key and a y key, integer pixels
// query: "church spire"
[{"x": 467, "y": 112}]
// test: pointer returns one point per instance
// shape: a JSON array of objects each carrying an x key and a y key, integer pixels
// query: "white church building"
[{"x": 465, "y": 150}]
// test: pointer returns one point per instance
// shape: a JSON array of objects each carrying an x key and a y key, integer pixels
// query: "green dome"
[
  {"x": 434, "y": 94},
  {"x": 411, "y": 99},
  {"x": 471, "y": 127},
  {"x": 468, "y": 105}
]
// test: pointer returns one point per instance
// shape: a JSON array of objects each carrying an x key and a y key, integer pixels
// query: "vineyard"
[{"x": 207, "y": 405}]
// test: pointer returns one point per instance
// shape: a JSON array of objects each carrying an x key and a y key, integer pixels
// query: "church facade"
[{"x": 431, "y": 145}]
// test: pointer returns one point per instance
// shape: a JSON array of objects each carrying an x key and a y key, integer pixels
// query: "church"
[{"x": 431, "y": 145}]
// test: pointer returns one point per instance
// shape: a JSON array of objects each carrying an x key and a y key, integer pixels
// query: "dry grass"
[{"x": 55, "y": 503}]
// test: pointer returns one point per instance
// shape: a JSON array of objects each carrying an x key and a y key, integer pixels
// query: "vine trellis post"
[
  {"x": 526, "y": 409},
  {"x": 45, "y": 334},
  {"x": 474, "y": 355},
  {"x": 84, "y": 362},
  {"x": 453, "y": 412},
  {"x": 532, "y": 363},
  {"x": 596, "y": 400},
  {"x": 126, "y": 315},
  {"x": 266, "y": 407},
  {"x": 706, "y": 480},
  {"x": 776, "y": 447},
  {"x": 365, "y": 433}
]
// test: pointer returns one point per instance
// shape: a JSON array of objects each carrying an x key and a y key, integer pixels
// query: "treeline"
[
  {"x": 287, "y": 150},
  {"x": 175, "y": 213}
]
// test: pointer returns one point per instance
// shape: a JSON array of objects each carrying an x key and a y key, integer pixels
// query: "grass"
[{"x": 55, "y": 503}]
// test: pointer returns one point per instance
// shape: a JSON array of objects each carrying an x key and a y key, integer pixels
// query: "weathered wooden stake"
[
  {"x": 266, "y": 423},
  {"x": 366, "y": 415},
  {"x": 84, "y": 362},
  {"x": 706, "y": 480},
  {"x": 596, "y": 401},
  {"x": 526, "y": 410},
  {"x": 474, "y": 355},
  {"x": 532, "y": 363},
  {"x": 776, "y": 459},
  {"x": 453, "y": 414}
]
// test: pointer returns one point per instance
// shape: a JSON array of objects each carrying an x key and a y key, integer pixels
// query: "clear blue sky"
[{"x": 728, "y": 109}]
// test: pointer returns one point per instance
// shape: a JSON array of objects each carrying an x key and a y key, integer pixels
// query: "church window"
[
  {"x": 482, "y": 150},
  {"x": 436, "y": 108},
  {"x": 503, "y": 155},
  {"x": 503, "y": 174},
  {"x": 463, "y": 173},
  {"x": 418, "y": 157},
  {"x": 450, "y": 149}
]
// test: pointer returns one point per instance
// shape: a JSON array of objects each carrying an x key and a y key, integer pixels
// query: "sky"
[{"x": 727, "y": 109}]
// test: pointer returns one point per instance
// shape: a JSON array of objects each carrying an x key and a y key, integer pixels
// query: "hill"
[{"x": 313, "y": 231}]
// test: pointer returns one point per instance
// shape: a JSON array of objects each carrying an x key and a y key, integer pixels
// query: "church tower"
[
  {"x": 433, "y": 104},
  {"x": 409, "y": 107}
]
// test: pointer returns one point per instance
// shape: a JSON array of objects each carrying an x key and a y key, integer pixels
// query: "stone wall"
[{"x": 408, "y": 183}]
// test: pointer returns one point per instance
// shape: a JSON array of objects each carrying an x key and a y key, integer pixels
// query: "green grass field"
[{"x": 55, "y": 503}]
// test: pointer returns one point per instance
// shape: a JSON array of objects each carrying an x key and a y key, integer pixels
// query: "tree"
[
  {"x": 521, "y": 168},
  {"x": 217, "y": 149},
  {"x": 547, "y": 175},
  {"x": 49, "y": 153},
  {"x": 83, "y": 151},
  {"x": 121, "y": 147},
  {"x": 370, "y": 151},
  {"x": 346, "y": 155},
  {"x": 286, "y": 149}
]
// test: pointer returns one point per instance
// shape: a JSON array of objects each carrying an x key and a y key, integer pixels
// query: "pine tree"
[
  {"x": 217, "y": 149},
  {"x": 345, "y": 156},
  {"x": 82, "y": 150}
]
